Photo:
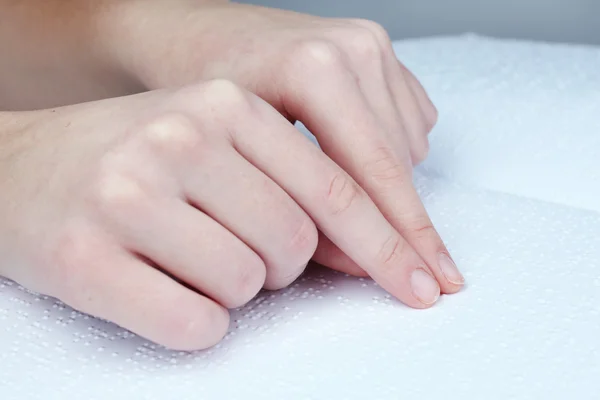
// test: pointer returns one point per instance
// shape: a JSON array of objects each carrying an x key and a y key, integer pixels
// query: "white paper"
[{"x": 515, "y": 117}]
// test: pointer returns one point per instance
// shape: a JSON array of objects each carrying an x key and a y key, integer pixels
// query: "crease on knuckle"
[
  {"x": 421, "y": 227},
  {"x": 249, "y": 280},
  {"x": 304, "y": 240},
  {"x": 342, "y": 193},
  {"x": 385, "y": 168},
  {"x": 390, "y": 251}
]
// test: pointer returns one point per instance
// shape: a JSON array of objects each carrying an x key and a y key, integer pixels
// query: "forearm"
[
  {"x": 12, "y": 125},
  {"x": 52, "y": 54},
  {"x": 58, "y": 52}
]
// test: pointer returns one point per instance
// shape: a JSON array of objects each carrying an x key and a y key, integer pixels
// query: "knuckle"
[
  {"x": 385, "y": 169},
  {"x": 184, "y": 330},
  {"x": 343, "y": 191},
  {"x": 115, "y": 190},
  {"x": 303, "y": 242},
  {"x": 421, "y": 228},
  {"x": 225, "y": 96},
  {"x": 250, "y": 278},
  {"x": 280, "y": 277},
  {"x": 173, "y": 133},
  {"x": 302, "y": 246},
  {"x": 375, "y": 28},
  {"x": 390, "y": 251},
  {"x": 317, "y": 55},
  {"x": 365, "y": 43}
]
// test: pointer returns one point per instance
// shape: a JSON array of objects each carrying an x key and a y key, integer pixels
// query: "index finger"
[{"x": 349, "y": 132}]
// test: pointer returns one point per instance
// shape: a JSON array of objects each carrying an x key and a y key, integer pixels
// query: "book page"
[{"x": 516, "y": 117}]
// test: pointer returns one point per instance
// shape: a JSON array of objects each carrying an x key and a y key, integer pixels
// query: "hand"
[
  {"x": 343, "y": 81},
  {"x": 160, "y": 211}
]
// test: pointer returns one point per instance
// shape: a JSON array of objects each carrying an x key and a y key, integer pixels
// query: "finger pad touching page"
[{"x": 525, "y": 326}]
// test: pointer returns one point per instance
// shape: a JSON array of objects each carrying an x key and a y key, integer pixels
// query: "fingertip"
[
  {"x": 450, "y": 288},
  {"x": 411, "y": 282},
  {"x": 425, "y": 288},
  {"x": 450, "y": 278}
]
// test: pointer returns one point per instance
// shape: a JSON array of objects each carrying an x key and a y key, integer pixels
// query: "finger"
[
  {"x": 367, "y": 58},
  {"x": 329, "y": 255},
  {"x": 340, "y": 208},
  {"x": 410, "y": 217},
  {"x": 386, "y": 83},
  {"x": 415, "y": 226},
  {"x": 415, "y": 122},
  {"x": 199, "y": 251},
  {"x": 180, "y": 239},
  {"x": 249, "y": 204},
  {"x": 364, "y": 58},
  {"x": 427, "y": 106},
  {"x": 392, "y": 63},
  {"x": 106, "y": 281},
  {"x": 216, "y": 179},
  {"x": 352, "y": 137}
]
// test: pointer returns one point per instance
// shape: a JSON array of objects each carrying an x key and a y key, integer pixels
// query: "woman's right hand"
[{"x": 160, "y": 211}]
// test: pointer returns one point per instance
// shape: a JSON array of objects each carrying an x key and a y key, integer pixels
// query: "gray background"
[{"x": 567, "y": 21}]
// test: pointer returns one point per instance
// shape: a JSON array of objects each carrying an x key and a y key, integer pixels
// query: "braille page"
[
  {"x": 526, "y": 326},
  {"x": 516, "y": 117}
]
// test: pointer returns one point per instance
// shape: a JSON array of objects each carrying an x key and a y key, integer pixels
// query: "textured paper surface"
[
  {"x": 526, "y": 326},
  {"x": 515, "y": 117}
]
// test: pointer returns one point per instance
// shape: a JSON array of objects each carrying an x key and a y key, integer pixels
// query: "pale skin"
[{"x": 151, "y": 174}]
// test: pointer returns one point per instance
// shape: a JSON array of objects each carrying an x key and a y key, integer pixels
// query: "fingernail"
[
  {"x": 425, "y": 287},
  {"x": 449, "y": 270}
]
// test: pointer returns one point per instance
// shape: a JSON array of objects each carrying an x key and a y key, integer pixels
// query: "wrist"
[
  {"x": 14, "y": 140},
  {"x": 53, "y": 55},
  {"x": 12, "y": 124},
  {"x": 150, "y": 45}
]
